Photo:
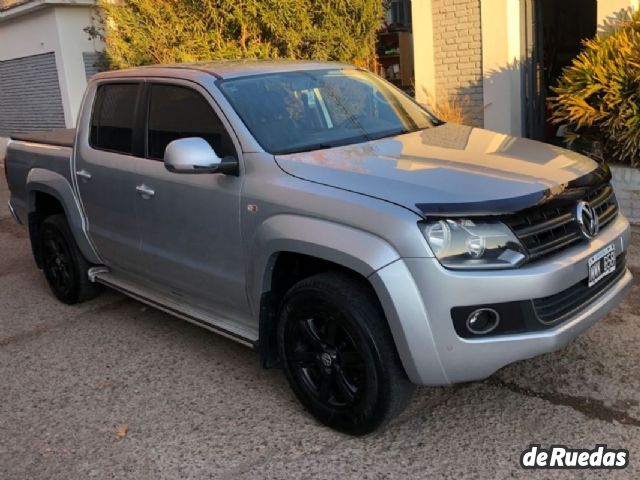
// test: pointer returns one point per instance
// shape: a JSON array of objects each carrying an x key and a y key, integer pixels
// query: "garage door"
[{"x": 30, "y": 94}]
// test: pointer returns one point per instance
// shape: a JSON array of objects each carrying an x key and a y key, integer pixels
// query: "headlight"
[{"x": 473, "y": 244}]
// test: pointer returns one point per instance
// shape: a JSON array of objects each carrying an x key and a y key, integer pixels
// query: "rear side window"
[
  {"x": 180, "y": 112},
  {"x": 113, "y": 118}
]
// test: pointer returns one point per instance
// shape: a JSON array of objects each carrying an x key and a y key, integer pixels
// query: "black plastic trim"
[
  {"x": 553, "y": 309},
  {"x": 561, "y": 195}
]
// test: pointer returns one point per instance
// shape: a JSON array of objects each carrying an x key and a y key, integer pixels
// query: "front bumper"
[{"x": 418, "y": 294}]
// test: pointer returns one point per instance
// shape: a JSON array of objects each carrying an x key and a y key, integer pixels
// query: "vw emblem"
[
  {"x": 326, "y": 359},
  {"x": 588, "y": 220}
]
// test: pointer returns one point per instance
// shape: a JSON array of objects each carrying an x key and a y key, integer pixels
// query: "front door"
[{"x": 190, "y": 223}]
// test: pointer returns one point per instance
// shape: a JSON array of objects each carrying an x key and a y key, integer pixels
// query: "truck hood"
[{"x": 448, "y": 170}]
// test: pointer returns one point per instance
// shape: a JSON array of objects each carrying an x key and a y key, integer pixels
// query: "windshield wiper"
[
  {"x": 307, "y": 148},
  {"x": 343, "y": 142},
  {"x": 402, "y": 131}
]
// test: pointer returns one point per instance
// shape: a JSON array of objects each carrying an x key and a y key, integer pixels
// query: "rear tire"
[
  {"x": 338, "y": 354},
  {"x": 64, "y": 267}
]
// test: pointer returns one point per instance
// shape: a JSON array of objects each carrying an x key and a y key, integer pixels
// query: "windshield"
[{"x": 309, "y": 110}]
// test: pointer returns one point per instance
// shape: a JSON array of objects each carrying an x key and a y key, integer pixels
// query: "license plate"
[{"x": 602, "y": 264}]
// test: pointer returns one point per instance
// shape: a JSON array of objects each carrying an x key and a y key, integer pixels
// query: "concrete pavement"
[
  {"x": 114, "y": 389},
  {"x": 4, "y": 196}
]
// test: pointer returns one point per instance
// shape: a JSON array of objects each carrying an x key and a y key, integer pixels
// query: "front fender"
[
  {"x": 357, "y": 250},
  {"x": 370, "y": 256},
  {"x": 54, "y": 184}
]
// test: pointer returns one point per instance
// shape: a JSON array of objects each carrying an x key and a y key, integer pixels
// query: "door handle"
[
  {"x": 145, "y": 192},
  {"x": 84, "y": 175}
]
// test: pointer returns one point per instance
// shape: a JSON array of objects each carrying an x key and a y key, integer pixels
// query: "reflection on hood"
[{"x": 449, "y": 164}]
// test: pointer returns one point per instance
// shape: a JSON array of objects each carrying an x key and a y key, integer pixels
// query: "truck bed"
[
  {"x": 36, "y": 152},
  {"x": 62, "y": 137}
]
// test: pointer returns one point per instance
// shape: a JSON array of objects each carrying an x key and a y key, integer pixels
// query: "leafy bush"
[
  {"x": 142, "y": 32},
  {"x": 598, "y": 96}
]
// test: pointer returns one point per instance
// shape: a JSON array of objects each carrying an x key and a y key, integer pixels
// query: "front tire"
[
  {"x": 64, "y": 267},
  {"x": 338, "y": 354}
]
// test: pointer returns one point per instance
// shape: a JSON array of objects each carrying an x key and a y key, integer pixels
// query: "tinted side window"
[
  {"x": 179, "y": 112},
  {"x": 113, "y": 118}
]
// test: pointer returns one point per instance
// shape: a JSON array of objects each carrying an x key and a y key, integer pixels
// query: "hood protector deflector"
[{"x": 561, "y": 195}]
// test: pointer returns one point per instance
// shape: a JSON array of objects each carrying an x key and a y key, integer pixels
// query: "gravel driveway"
[{"x": 114, "y": 389}]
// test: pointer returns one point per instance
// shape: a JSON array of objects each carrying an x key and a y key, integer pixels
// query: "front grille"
[
  {"x": 553, "y": 308},
  {"x": 547, "y": 230}
]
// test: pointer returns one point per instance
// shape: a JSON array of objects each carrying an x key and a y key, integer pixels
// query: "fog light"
[{"x": 483, "y": 321}]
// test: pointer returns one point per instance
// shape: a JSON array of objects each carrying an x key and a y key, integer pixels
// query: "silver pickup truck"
[{"x": 316, "y": 213}]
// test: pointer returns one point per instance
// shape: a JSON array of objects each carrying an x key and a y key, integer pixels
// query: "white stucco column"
[
  {"x": 423, "y": 57},
  {"x": 71, "y": 22},
  {"x": 501, "y": 65}
]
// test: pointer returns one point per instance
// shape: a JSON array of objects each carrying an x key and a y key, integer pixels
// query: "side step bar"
[{"x": 103, "y": 275}]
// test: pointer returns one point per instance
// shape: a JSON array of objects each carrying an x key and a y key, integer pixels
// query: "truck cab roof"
[{"x": 225, "y": 68}]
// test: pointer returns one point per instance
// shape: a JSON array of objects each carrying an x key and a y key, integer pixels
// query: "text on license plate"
[{"x": 602, "y": 264}]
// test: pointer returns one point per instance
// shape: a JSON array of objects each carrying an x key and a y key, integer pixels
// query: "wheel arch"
[
  {"x": 288, "y": 248},
  {"x": 49, "y": 192}
]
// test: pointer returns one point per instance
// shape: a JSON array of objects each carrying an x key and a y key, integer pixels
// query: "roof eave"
[{"x": 30, "y": 6}]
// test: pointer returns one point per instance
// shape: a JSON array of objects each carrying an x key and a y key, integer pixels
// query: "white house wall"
[
  {"x": 57, "y": 29},
  {"x": 71, "y": 21},
  {"x": 30, "y": 34}
]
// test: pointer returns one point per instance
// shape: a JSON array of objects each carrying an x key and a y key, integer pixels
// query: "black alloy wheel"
[
  {"x": 338, "y": 353},
  {"x": 57, "y": 263},
  {"x": 64, "y": 267},
  {"x": 325, "y": 358}
]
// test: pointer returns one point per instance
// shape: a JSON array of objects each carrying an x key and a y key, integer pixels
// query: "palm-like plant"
[{"x": 598, "y": 96}]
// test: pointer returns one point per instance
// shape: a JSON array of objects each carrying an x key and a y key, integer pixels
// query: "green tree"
[
  {"x": 142, "y": 32},
  {"x": 598, "y": 96}
]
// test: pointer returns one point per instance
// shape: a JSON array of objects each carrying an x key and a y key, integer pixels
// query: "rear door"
[
  {"x": 190, "y": 223},
  {"x": 106, "y": 173}
]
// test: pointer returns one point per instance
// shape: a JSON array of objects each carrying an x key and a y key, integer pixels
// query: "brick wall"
[
  {"x": 457, "y": 43},
  {"x": 626, "y": 182}
]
